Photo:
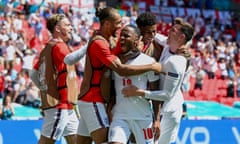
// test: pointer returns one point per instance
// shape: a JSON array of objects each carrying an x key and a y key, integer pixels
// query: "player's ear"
[
  {"x": 57, "y": 28},
  {"x": 139, "y": 43},
  {"x": 182, "y": 37},
  {"x": 107, "y": 22}
]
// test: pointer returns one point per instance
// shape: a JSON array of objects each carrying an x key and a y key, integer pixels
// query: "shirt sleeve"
[
  {"x": 75, "y": 56},
  {"x": 174, "y": 69},
  {"x": 152, "y": 76},
  {"x": 102, "y": 51}
]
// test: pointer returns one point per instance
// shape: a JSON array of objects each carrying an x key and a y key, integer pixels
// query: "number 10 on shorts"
[{"x": 148, "y": 133}]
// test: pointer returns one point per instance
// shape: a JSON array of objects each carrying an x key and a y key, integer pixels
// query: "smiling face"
[
  {"x": 64, "y": 29},
  {"x": 115, "y": 24},
  {"x": 175, "y": 36},
  {"x": 128, "y": 39},
  {"x": 148, "y": 33},
  {"x": 60, "y": 27}
]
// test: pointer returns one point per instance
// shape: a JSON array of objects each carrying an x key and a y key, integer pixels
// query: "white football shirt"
[
  {"x": 138, "y": 107},
  {"x": 174, "y": 67}
]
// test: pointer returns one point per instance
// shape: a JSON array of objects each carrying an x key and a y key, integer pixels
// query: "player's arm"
[
  {"x": 156, "y": 110},
  {"x": 126, "y": 70},
  {"x": 75, "y": 56},
  {"x": 175, "y": 68},
  {"x": 110, "y": 60}
]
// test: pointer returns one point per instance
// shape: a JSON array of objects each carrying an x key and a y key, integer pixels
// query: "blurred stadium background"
[{"x": 212, "y": 111}]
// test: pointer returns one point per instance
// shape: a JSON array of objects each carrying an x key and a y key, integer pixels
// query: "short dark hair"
[
  {"x": 136, "y": 29},
  {"x": 186, "y": 28},
  {"x": 54, "y": 20},
  {"x": 146, "y": 19}
]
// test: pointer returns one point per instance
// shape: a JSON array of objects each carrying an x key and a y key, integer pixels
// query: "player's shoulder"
[
  {"x": 177, "y": 57},
  {"x": 177, "y": 62},
  {"x": 146, "y": 57}
]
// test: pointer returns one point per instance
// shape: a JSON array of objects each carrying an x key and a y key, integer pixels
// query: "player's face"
[
  {"x": 115, "y": 25},
  {"x": 128, "y": 39},
  {"x": 148, "y": 33},
  {"x": 65, "y": 29},
  {"x": 174, "y": 35}
]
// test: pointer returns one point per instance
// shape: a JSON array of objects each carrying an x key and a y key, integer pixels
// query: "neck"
[
  {"x": 57, "y": 39},
  {"x": 129, "y": 55},
  {"x": 103, "y": 32},
  {"x": 175, "y": 47}
]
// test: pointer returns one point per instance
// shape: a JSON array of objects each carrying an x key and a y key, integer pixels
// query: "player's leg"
[
  {"x": 53, "y": 125},
  {"x": 119, "y": 132},
  {"x": 71, "y": 139},
  {"x": 83, "y": 135},
  {"x": 132, "y": 139},
  {"x": 170, "y": 124},
  {"x": 99, "y": 136},
  {"x": 84, "y": 139},
  {"x": 142, "y": 130},
  {"x": 94, "y": 122},
  {"x": 70, "y": 131},
  {"x": 45, "y": 140}
]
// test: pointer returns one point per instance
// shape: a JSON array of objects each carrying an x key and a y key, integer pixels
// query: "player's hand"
[
  {"x": 184, "y": 51},
  {"x": 157, "y": 67},
  {"x": 156, "y": 129},
  {"x": 140, "y": 43},
  {"x": 132, "y": 90}
]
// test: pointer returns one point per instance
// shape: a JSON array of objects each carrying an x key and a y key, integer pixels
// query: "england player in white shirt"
[
  {"x": 132, "y": 114},
  {"x": 174, "y": 66}
]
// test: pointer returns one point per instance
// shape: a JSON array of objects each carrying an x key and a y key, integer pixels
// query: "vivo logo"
[{"x": 190, "y": 134}]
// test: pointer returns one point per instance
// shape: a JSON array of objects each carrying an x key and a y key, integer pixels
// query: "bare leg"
[
  {"x": 83, "y": 140},
  {"x": 100, "y": 136},
  {"x": 71, "y": 139},
  {"x": 45, "y": 140},
  {"x": 132, "y": 138}
]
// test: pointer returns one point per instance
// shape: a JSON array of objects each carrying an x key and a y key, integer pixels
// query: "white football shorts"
[
  {"x": 59, "y": 122},
  {"x": 93, "y": 117}
]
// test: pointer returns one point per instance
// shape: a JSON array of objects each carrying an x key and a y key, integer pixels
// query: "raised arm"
[
  {"x": 174, "y": 69},
  {"x": 75, "y": 56},
  {"x": 126, "y": 70}
]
